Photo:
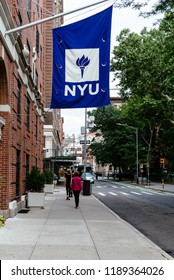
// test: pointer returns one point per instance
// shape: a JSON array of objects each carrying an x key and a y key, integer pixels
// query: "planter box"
[
  {"x": 49, "y": 188},
  {"x": 36, "y": 199}
]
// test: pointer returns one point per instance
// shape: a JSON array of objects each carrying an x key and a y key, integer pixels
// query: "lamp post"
[
  {"x": 85, "y": 143},
  {"x": 136, "y": 129},
  {"x": 136, "y": 132}
]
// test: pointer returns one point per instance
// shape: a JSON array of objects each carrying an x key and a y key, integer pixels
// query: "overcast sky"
[{"x": 121, "y": 18}]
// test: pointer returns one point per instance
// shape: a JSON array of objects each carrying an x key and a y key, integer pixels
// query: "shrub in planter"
[
  {"x": 35, "y": 180},
  {"x": 49, "y": 186},
  {"x": 35, "y": 187},
  {"x": 48, "y": 175},
  {"x": 2, "y": 221}
]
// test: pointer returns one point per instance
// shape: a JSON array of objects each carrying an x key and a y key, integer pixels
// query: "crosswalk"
[
  {"x": 123, "y": 193},
  {"x": 113, "y": 193}
]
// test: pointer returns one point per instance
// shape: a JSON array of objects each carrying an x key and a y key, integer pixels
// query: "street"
[{"x": 149, "y": 211}]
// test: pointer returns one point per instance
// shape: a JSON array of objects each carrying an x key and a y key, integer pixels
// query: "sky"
[{"x": 74, "y": 119}]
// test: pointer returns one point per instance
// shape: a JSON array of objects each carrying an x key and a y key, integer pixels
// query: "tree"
[
  {"x": 113, "y": 143},
  {"x": 140, "y": 50},
  {"x": 143, "y": 64},
  {"x": 158, "y": 7},
  {"x": 146, "y": 114}
]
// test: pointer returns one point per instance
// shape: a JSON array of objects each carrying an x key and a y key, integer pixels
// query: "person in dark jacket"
[
  {"x": 76, "y": 186},
  {"x": 68, "y": 183}
]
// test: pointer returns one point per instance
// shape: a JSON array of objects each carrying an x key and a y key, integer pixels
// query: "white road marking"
[
  {"x": 147, "y": 193},
  {"x": 113, "y": 193},
  {"x": 102, "y": 194},
  {"x": 136, "y": 193},
  {"x": 124, "y": 193}
]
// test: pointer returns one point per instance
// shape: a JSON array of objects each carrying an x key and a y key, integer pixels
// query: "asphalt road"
[{"x": 149, "y": 211}]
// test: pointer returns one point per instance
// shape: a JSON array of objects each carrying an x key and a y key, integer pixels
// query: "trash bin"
[
  {"x": 144, "y": 180},
  {"x": 140, "y": 181},
  {"x": 87, "y": 189}
]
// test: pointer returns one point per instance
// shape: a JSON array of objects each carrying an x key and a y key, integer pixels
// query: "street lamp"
[
  {"x": 136, "y": 131},
  {"x": 85, "y": 143}
]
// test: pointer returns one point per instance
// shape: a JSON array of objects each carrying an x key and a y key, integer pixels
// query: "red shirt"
[{"x": 76, "y": 184}]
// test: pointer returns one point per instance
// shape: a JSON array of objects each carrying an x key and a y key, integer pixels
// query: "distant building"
[
  {"x": 117, "y": 101},
  {"x": 72, "y": 147}
]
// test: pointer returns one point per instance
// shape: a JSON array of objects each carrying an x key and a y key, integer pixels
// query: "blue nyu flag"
[{"x": 81, "y": 63}]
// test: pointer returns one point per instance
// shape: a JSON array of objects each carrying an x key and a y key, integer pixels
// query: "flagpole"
[
  {"x": 85, "y": 144},
  {"x": 53, "y": 17}
]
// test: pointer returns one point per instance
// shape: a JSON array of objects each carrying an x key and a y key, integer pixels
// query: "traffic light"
[{"x": 161, "y": 160}]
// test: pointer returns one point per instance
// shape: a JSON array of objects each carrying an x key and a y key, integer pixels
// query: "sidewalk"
[
  {"x": 59, "y": 232},
  {"x": 158, "y": 186},
  {"x": 153, "y": 185}
]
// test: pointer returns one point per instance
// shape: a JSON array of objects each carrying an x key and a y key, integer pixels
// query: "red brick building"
[
  {"x": 53, "y": 125},
  {"x": 22, "y": 72}
]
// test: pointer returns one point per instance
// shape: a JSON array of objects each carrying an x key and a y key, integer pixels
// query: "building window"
[
  {"x": 37, "y": 6},
  {"x": 29, "y": 9},
  {"x": 17, "y": 172},
  {"x": 28, "y": 113},
  {"x": 36, "y": 78},
  {"x": 37, "y": 40},
  {"x": 27, "y": 168},
  {"x": 18, "y": 100},
  {"x": 41, "y": 53},
  {"x": 28, "y": 57},
  {"x": 19, "y": 21},
  {"x": 36, "y": 126}
]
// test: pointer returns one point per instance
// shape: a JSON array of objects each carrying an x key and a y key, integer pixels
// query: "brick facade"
[
  {"x": 53, "y": 129},
  {"x": 21, "y": 101}
]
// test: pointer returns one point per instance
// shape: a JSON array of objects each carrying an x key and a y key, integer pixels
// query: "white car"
[{"x": 89, "y": 177}]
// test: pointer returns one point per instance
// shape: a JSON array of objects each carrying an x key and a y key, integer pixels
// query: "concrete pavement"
[
  {"x": 153, "y": 185},
  {"x": 60, "y": 232},
  {"x": 161, "y": 187}
]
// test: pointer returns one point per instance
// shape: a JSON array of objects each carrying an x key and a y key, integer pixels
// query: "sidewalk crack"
[{"x": 90, "y": 235}]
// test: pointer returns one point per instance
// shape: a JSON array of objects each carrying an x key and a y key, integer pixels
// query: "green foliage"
[
  {"x": 35, "y": 180},
  {"x": 159, "y": 7},
  {"x": 2, "y": 221},
  {"x": 117, "y": 143},
  {"x": 48, "y": 175},
  {"x": 144, "y": 62},
  {"x": 140, "y": 64},
  {"x": 143, "y": 65}
]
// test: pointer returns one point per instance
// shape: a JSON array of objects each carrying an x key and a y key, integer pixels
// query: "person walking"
[
  {"x": 76, "y": 186},
  {"x": 68, "y": 183}
]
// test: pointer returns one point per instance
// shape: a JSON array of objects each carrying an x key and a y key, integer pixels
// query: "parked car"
[{"x": 89, "y": 177}]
